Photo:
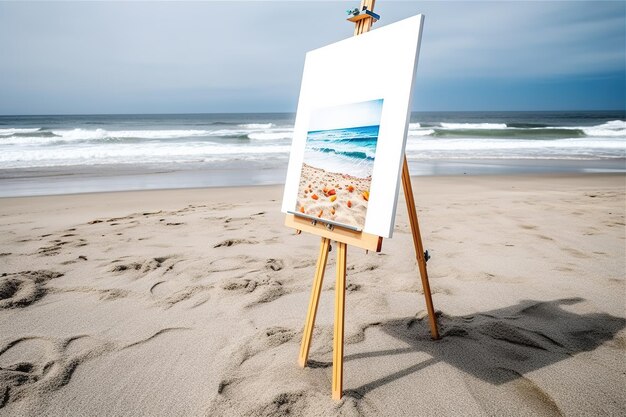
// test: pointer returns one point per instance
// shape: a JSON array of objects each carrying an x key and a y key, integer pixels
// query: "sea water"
[
  {"x": 254, "y": 148},
  {"x": 349, "y": 151}
]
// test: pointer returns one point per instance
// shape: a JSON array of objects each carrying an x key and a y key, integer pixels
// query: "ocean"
[{"x": 64, "y": 154}]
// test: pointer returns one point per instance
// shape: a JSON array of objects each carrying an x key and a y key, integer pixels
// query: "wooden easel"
[{"x": 345, "y": 237}]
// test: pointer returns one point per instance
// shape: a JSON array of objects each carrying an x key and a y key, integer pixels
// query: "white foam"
[
  {"x": 578, "y": 148},
  {"x": 257, "y": 125},
  {"x": 425, "y": 132},
  {"x": 605, "y": 132},
  {"x": 228, "y": 132},
  {"x": 415, "y": 129},
  {"x": 614, "y": 128},
  {"x": 77, "y": 135},
  {"x": 26, "y": 140},
  {"x": 613, "y": 124},
  {"x": 271, "y": 135},
  {"x": 84, "y": 134},
  {"x": 473, "y": 125},
  {"x": 13, "y": 131},
  {"x": 96, "y": 154}
]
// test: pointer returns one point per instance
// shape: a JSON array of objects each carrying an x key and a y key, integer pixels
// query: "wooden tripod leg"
[
  {"x": 340, "y": 304},
  {"x": 313, "y": 302},
  {"x": 419, "y": 249}
]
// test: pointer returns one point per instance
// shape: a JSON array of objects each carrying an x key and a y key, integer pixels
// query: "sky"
[
  {"x": 365, "y": 113},
  {"x": 207, "y": 57}
]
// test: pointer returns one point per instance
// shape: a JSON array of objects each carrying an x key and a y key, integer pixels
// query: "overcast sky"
[{"x": 196, "y": 57}]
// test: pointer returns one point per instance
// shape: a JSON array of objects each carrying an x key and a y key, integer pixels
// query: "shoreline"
[{"x": 123, "y": 177}]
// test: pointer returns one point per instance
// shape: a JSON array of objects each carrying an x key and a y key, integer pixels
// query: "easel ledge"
[{"x": 359, "y": 239}]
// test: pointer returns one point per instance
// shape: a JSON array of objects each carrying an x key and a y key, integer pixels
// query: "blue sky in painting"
[{"x": 365, "y": 113}]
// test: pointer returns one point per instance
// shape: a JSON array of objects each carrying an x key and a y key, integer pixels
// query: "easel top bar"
[{"x": 365, "y": 14}]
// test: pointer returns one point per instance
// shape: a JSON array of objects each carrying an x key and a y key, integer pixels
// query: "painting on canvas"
[{"x": 338, "y": 161}]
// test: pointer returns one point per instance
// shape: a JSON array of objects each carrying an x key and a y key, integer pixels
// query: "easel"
[{"x": 344, "y": 237}]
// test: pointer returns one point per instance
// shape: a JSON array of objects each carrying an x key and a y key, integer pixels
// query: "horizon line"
[{"x": 293, "y": 112}]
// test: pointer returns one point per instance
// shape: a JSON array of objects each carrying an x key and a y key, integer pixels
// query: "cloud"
[
  {"x": 521, "y": 39},
  {"x": 248, "y": 56}
]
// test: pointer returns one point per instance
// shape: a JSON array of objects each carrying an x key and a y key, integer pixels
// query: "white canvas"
[{"x": 376, "y": 65}]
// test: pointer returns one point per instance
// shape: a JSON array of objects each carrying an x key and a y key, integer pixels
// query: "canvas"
[{"x": 350, "y": 129}]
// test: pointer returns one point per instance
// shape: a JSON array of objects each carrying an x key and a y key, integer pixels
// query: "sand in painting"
[
  {"x": 338, "y": 163},
  {"x": 328, "y": 195}
]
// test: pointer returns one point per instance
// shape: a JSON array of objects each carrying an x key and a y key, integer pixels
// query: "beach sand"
[
  {"x": 332, "y": 196},
  {"x": 192, "y": 302}
]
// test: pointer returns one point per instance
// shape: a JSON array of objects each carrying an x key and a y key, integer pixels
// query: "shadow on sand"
[{"x": 499, "y": 345}]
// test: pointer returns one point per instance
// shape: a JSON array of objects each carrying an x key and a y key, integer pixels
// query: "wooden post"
[
  {"x": 340, "y": 305},
  {"x": 419, "y": 249},
  {"x": 361, "y": 27},
  {"x": 364, "y": 25},
  {"x": 305, "y": 345}
]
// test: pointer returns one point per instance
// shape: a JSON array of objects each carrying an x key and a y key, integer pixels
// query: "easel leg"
[
  {"x": 313, "y": 302},
  {"x": 419, "y": 249},
  {"x": 340, "y": 304}
]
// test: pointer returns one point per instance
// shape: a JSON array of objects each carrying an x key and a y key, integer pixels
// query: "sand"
[
  {"x": 192, "y": 302},
  {"x": 340, "y": 198}
]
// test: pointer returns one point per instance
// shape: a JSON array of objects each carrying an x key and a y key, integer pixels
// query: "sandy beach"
[{"x": 192, "y": 302}]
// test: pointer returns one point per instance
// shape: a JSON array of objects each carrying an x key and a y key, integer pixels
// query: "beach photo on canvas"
[{"x": 338, "y": 162}]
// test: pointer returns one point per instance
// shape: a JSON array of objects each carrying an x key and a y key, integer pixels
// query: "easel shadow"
[{"x": 499, "y": 345}]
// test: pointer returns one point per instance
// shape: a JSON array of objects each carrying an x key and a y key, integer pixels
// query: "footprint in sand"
[
  {"x": 233, "y": 242},
  {"x": 268, "y": 288},
  {"x": 273, "y": 292},
  {"x": 232, "y": 263},
  {"x": 169, "y": 293},
  {"x": 117, "y": 219},
  {"x": 133, "y": 266},
  {"x": 197, "y": 294},
  {"x": 146, "y": 266},
  {"x": 274, "y": 264},
  {"x": 53, "y": 249},
  {"x": 22, "y": 289},
  {"x": 31, "y": 367},
  {"x": 291, "y": 394},
  {"x": 24, "y": 362},
  {"x": 243, "y": 284},
  {"x": 363, "y": 268}
]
